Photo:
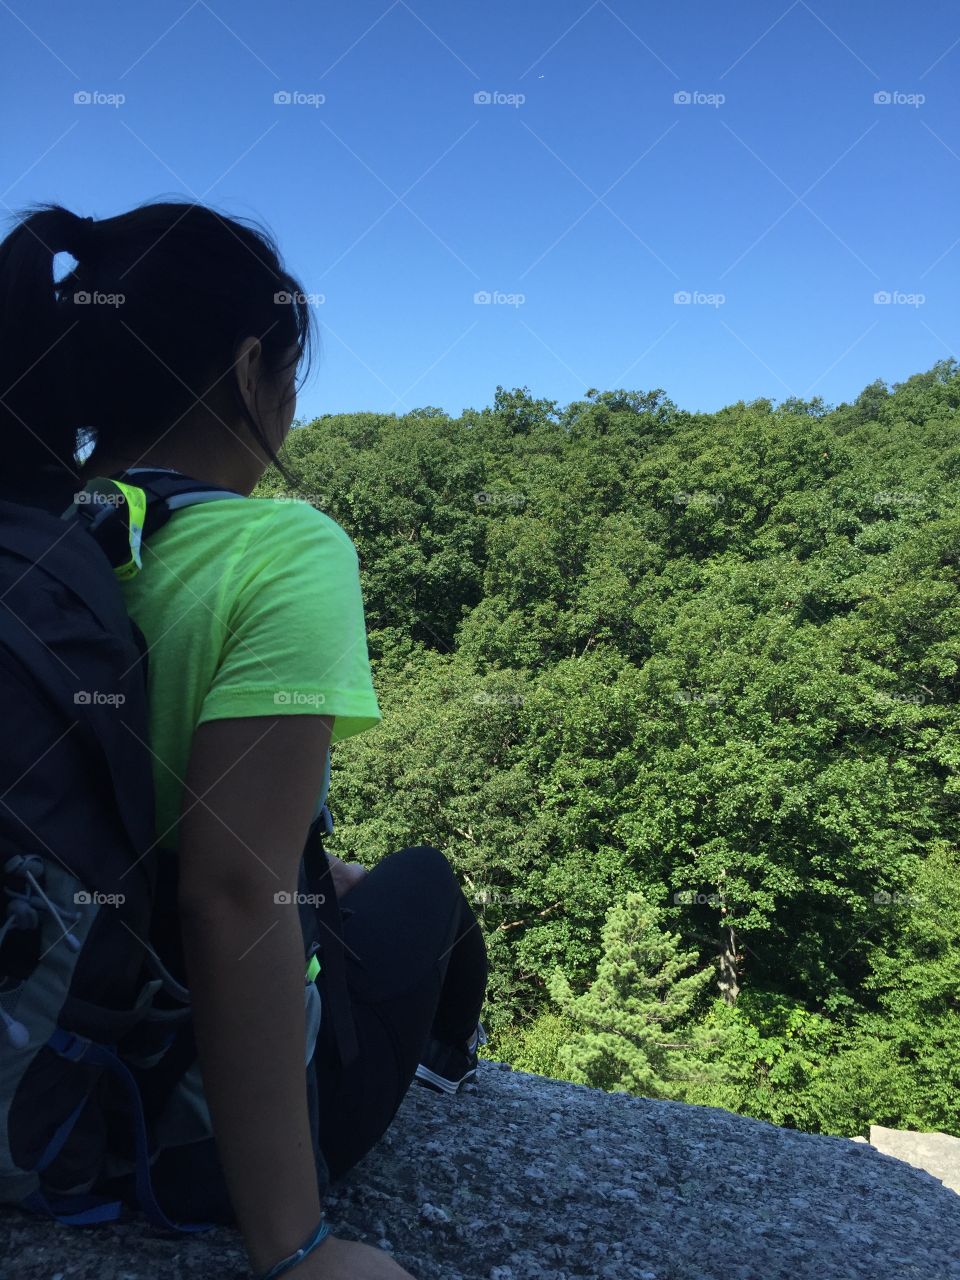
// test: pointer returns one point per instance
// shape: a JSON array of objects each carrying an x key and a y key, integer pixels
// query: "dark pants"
[{"x": 416, "y": 965}]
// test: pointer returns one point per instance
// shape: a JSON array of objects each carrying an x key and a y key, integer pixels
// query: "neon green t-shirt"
[{"x": 249, "y": 607}]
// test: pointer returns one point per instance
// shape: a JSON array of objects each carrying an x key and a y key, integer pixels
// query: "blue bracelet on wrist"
[{"x": 321, "y": 1233}]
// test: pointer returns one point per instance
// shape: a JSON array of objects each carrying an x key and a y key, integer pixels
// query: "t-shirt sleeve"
[{"x": 296, "y": 639}]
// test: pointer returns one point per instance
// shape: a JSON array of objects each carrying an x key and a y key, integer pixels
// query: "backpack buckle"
[{"x": 67, "y": 1044}]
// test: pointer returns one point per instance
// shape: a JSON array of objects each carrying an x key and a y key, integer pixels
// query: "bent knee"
[
  {"x": 427, "y": 863},
  {"x": 428, "y": 857}
]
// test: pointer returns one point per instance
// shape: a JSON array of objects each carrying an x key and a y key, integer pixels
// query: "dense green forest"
[{"x": 676, "y": 693}]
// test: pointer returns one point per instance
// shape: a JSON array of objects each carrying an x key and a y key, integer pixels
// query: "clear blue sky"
[{"x": 797, "y": 198}]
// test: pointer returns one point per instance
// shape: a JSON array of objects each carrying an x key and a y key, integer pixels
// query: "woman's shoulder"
[
  {"x": 247, "y": 540},
  {"x": 296, "y": 515},
  {"x": 271, "y": 518}
]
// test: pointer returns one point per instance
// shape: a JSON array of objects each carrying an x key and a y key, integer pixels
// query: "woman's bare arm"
[{"x": 240, "y": 844}]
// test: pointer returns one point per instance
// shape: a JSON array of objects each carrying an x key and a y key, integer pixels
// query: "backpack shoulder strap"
[
  {"x": 119, "y": 511},
  {"x": 43, "y": 564}
]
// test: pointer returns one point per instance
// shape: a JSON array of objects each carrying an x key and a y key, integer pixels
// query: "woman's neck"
[{"x": 225, "y": 472}]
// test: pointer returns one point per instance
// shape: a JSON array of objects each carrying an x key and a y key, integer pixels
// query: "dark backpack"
[{"x": 98, "y": 1069}]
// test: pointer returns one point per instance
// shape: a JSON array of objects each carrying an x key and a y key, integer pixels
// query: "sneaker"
[{"x": 448, "y": 1068}]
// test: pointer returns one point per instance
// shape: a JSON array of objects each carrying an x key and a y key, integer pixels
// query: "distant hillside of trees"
[{"x": 677, "y": 695}]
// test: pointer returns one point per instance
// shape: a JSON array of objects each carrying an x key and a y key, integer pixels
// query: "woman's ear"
[{"x": 247, "y": 366}]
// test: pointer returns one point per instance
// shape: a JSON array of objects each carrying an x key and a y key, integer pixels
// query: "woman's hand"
[
  {"x": 336, "y": 1259},
  {"x": 344, "y": 875}
]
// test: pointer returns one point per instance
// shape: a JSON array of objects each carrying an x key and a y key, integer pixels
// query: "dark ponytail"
[{"x": 145, "y": 328}]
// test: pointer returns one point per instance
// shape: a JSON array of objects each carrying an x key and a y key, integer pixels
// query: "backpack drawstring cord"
[{"x": 25, "y": 866}]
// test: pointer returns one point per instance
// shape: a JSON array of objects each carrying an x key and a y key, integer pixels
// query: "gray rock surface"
[
  {"x": 938, "y": 1153},
  {"x": 535, "y": 1179}
]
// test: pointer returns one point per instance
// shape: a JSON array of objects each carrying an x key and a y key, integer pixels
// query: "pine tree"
[{"x": 628, "y": 1035}]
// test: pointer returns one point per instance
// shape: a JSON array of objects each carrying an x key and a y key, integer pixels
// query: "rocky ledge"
[{"x": 536, "y": 1179}]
